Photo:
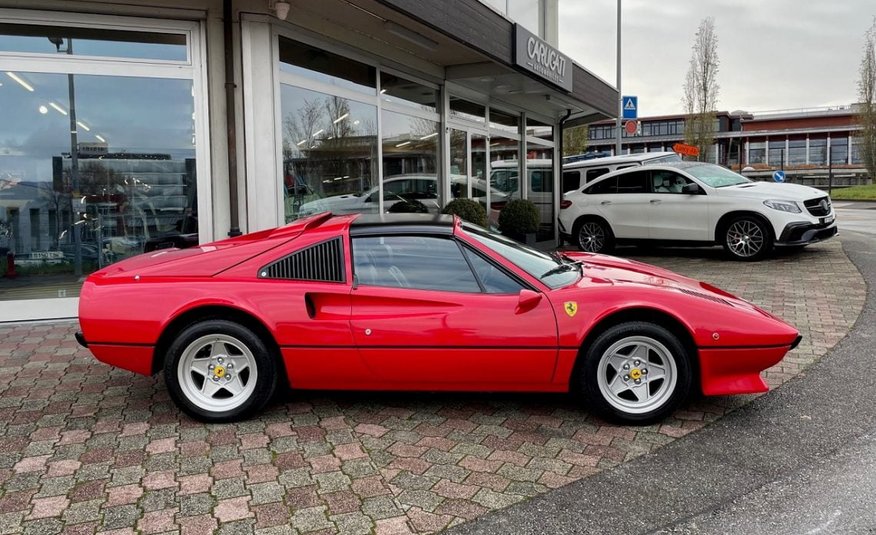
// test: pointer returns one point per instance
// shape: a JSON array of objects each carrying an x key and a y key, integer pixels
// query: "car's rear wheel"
[
  {"x": 635, "y": 373},
  {"x": 219, "y": 371},
  {"x": 594, "y": 236},
  {"x": 747, "y": 238}
]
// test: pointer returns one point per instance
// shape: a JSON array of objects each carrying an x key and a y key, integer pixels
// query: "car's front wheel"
[
  {"x": 219, "y": 371},
  {"x": 635, "y": 373},
  {"x": 594, "y": 236},
  {"x": 747, "y": 238}
]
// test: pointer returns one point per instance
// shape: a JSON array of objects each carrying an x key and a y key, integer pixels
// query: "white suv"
[{"x": 693, "y": 203}]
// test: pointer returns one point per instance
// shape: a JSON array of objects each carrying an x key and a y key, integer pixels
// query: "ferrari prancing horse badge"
[{"x": 571, "y": 308}]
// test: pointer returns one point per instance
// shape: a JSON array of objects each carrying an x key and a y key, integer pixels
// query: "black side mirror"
[{"x": 690, "y": 189}]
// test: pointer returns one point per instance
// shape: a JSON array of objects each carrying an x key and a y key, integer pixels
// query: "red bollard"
[{"x": 10, "y": 265}]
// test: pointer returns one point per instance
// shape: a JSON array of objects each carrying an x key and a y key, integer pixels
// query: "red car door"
[{"x": 422, "y": 319}]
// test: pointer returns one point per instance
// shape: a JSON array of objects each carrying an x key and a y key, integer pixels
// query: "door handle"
[
  {"x": 605, "y": 202},
  {"x": 655, "y": 201}
]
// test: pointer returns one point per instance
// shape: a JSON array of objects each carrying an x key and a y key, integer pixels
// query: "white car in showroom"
[{"x": 694, "y": 203}]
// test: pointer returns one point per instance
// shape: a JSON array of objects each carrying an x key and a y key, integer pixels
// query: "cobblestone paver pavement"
[{"x": 88, "y": 449}]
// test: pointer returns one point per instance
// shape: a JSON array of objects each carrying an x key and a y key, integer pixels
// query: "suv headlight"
[{"x": 783, "y": 206}]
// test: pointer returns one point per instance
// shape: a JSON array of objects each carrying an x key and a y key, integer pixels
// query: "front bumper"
[
  {"x": 728, "y": 371},
  {"x": 800, "y": 233}
]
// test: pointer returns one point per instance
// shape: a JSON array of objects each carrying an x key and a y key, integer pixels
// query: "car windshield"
[
  {"x": 716, "y": 176},
  {"x": 552, "y": 270}
]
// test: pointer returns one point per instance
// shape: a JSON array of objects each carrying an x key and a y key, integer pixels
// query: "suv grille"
[
  {"x": 322, "y": 262},
  {"x": 818, "y": 207}
]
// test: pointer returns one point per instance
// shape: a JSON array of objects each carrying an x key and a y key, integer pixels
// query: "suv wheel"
[
  {"x": 594, "y": 236},
  {"x": 747, "y": 238}
]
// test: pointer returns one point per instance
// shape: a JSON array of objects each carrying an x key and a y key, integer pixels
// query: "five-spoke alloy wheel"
[
  {"x": 635, "y": 373},
  {"x": 219, "y": 371}
]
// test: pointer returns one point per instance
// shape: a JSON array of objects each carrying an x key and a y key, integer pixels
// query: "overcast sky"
[{"x": 775, "y": 54}]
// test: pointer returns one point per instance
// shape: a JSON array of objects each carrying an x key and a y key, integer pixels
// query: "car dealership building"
[{"x": 116, "y": 136}]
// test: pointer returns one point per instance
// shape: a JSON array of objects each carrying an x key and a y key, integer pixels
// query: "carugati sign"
[{"x": 537, "y": 56}]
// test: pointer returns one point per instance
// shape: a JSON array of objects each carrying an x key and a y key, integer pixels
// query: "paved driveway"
[{"x": 85, "y": 448}]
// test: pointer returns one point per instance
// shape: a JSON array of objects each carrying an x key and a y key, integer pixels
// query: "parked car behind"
[{"x": 695, "y": 203}]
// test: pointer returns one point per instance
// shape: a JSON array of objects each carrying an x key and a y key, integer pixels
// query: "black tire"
[
  {"x": 604, "y": 363},
  {"x": 256, "y": 375},
  {"x": 593, "y": 235},
  {"x": 747, "y": 238}
]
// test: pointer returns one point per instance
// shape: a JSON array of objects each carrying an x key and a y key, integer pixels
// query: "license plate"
[{"x": 827, "y": 220}]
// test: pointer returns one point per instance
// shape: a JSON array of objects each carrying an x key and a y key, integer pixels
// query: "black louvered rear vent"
[{"x": 322, "y": 262}]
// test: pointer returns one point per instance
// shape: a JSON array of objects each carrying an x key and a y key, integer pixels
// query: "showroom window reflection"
[
  {"x": 329, "y": 153},
  {"x": 410, "y": 163},
  {"x": 130, "y": 185}
]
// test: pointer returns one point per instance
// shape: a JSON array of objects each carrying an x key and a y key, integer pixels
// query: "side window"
[
  {"x": 541, "y": 181},
  {"x": 635, "y": 182},
  {"x": 593, "y": 174},
  {"x": 495, "y": 280},
  {"x": 667, "y": 182},
  {"x": 421, "y": 262},
  {"x": 571, "y": 180},
  {"x": 607, "y": 185}
]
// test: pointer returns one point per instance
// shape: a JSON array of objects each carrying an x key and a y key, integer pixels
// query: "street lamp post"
[{"x": 74, "y": 158}]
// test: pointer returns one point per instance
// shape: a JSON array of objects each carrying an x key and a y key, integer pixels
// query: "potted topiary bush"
[
  {"x": 519, "y": 221},
  {"x": 408, "y": 206},
  {"x": 467, "y": 210}
]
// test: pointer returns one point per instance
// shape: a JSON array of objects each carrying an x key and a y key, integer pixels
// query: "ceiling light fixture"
[
  {"x": 44, "y": 110},
  {"x": 318, "y": 132},
  {"x": 403, "y": 144},
  {"x": 58, "y": 109},
  {"x": 341, "y": 118},
  {"x": 280, "y": 8},
  {"x": 409, "y": 35},
  {"x": 99, "y": 138},
  {"x": 20, "y": 81},
  {"x": 433, "y": 134},
  {"x": 82, "y": 125}
]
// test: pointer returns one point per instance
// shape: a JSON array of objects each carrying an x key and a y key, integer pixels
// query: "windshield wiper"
[{"x": 568, "y": 266}]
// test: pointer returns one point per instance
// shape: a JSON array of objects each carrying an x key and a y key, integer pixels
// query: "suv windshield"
[
  {"x": 551, "y": 270},
  {"x": 716, "y": 176}
]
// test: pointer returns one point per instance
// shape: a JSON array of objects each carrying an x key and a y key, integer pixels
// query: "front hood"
[
  {"x": 611, "y": 269},
  {"x": 772, "y": 190}
]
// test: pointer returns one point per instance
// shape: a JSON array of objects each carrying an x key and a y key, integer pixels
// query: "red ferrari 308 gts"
[{"x": 420, "y": 302}]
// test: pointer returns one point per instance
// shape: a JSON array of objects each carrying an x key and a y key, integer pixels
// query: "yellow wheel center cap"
[
  {"x": 635, "y": 373},
  {"x": 219, "y": 372}
]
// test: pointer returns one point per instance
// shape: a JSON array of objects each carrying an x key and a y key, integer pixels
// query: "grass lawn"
[{"x": 855, "y": 193}]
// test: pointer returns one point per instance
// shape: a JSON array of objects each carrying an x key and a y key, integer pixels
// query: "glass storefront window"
[
  {"x": 93, "y": 179},
  {"x": 401, "y": 91},
  {"x": 777, "y": 154},
  {"x": 539, "y": 129},
  {"x": 467, "y": 111},
  {"x": 757, "y": 152},
  {"x": 326, "y": 67},
  {"x": 329, "y": 153},
  {"x": 507, "y": 122},
  {"x": 410, "y": 163},
  {"x": 540, "y": 173},
  {"x": 93, "y": 42},
  {"x": 458, "y": 164}
]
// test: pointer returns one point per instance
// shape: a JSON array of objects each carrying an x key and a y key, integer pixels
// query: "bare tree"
[
  {"x": 575, "y": 140},
  {"x": 701, "y": 88},
  {"x": 867, "y": 100}
]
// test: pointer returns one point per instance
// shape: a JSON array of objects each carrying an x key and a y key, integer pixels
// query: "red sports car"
[{"x": 420, "y": 302}]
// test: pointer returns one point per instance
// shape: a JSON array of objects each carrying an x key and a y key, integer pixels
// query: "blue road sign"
[
  {"x": 630, "y": 106},
  {"x": 779, "y": 176}
]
